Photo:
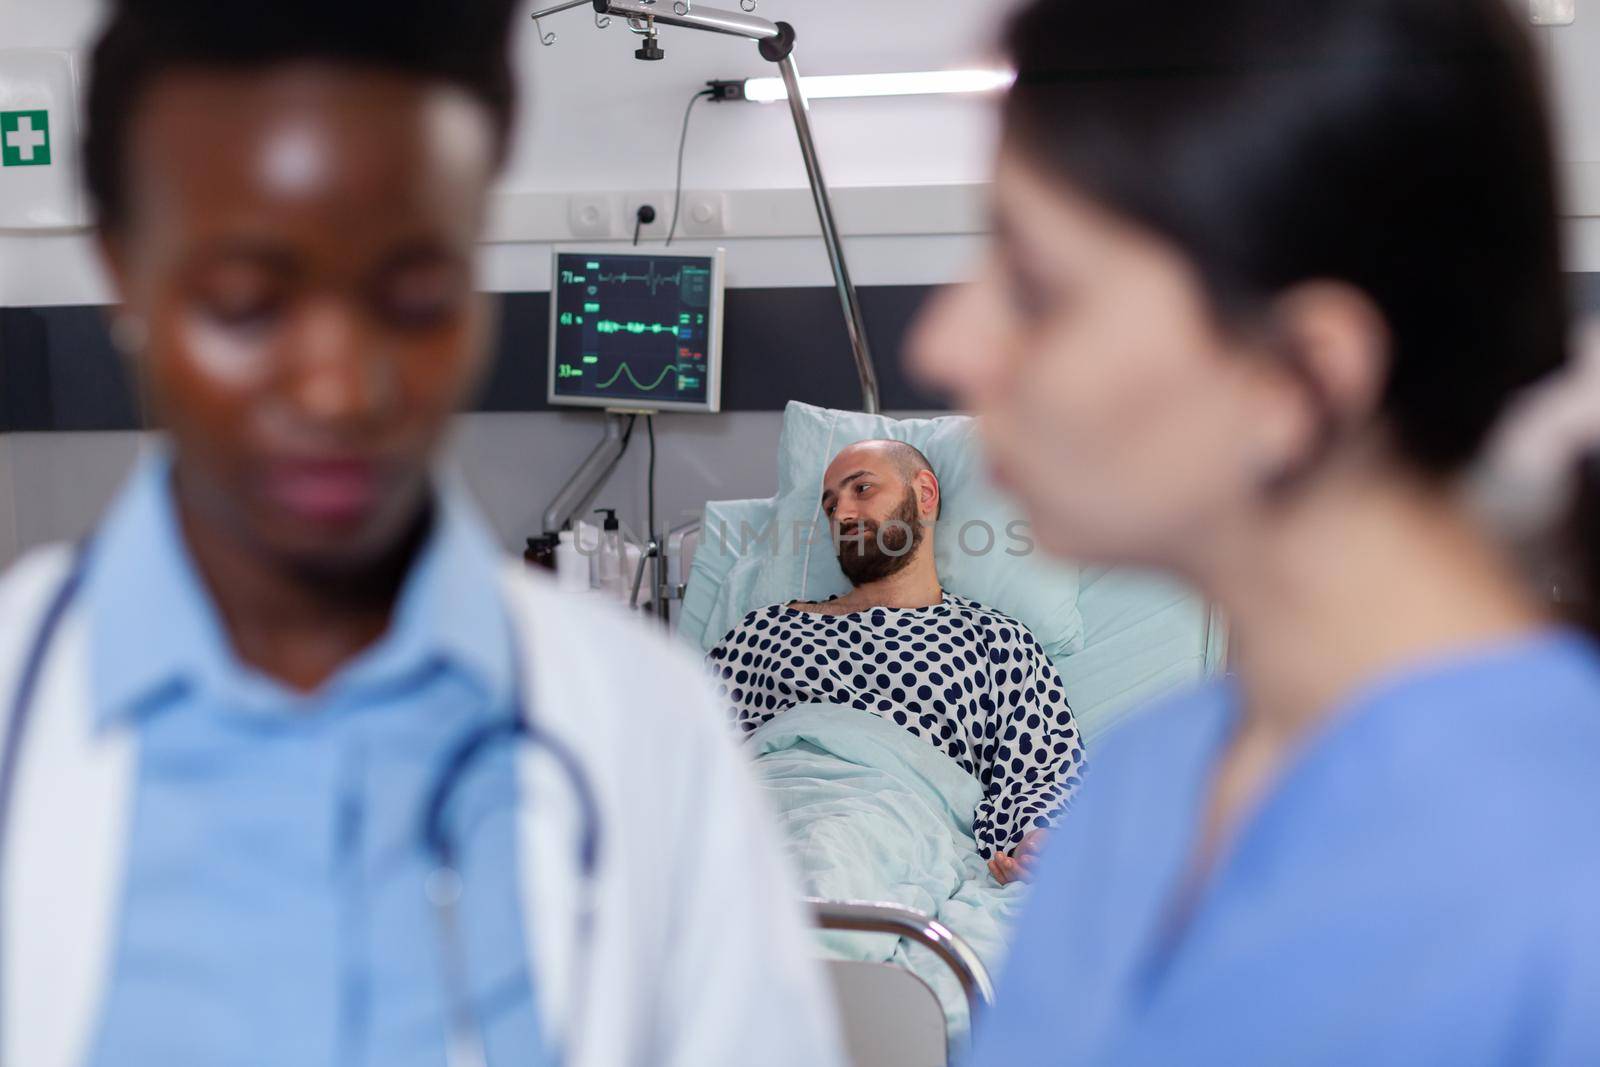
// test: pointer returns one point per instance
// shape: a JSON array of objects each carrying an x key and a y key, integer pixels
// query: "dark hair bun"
[{"x": 1401, "y": 146}]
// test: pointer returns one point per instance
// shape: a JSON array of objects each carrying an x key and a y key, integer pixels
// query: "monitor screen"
[{"x": 637, "y": 330}]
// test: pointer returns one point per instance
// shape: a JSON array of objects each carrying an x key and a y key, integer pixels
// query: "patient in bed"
[{"x": 971, "y": 681}]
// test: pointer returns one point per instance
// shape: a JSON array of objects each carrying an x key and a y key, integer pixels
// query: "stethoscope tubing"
[{"x": 22, "y": 700}]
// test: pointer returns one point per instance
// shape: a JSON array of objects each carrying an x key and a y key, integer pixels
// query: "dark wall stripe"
[
  {"x": 777, "y": 345},
  {"x": 59, "y": 371}
]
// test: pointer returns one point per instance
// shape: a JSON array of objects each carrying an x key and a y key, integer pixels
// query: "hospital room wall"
[
  {"x": 594, "y": 118},
  {"x": 54, "y": 485}
]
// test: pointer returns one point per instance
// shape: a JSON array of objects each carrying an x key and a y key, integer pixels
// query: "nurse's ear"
[{"x": 1328, "y": 350}]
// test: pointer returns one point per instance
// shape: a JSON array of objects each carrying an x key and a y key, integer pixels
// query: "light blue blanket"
[{"x": 871, "y": 813}]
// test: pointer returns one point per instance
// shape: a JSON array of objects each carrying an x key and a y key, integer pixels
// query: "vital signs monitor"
[{"x": 639, "y": 330}]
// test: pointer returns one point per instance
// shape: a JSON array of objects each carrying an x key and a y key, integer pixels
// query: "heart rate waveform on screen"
[
  {"x": 649, "y": 278},
  {"x": 627, "y": 371},
  {"x": 692, "y": 283},
  {"x": 632, "y": 328},
  {"x": 612, "y": 326}
]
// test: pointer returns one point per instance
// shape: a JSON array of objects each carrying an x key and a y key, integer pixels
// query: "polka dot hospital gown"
[{"x": 971, "y": 681}]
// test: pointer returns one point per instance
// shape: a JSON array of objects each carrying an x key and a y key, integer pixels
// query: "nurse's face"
[
  {"x": 1127, "y": 422},
  {"x": 298, "y": 243}
]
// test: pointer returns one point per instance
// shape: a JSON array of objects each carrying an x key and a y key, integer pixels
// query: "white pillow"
[{"x": 982, "y": 546}]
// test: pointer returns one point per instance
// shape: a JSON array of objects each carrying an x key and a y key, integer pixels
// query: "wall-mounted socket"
[
  {"x": 704, "y": 215},
  {"x": 589, "y": 215},
  {"x": 657, "y": 230},
  {"x": 1553, "y": 12}
]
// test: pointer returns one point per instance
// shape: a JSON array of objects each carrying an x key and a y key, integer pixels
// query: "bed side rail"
[{"x": 859, "y": 916}]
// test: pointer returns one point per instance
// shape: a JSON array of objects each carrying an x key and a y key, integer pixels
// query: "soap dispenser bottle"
[{"x": 609, "y": 559}]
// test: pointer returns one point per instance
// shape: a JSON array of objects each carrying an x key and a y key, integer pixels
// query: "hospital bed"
[
  {"x": 1119, "y": 637},
  {"x": 889, "y": 1016}
]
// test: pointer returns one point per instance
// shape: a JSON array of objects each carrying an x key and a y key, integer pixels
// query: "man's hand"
[{"x": 1020, "y": 865}]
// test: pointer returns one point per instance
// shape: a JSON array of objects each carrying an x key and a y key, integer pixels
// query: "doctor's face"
[
  {"x": 1111, "y": 403},
  {"x": 298, "y": 245}
]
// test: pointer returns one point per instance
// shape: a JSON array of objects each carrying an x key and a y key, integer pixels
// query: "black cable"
[
  {"x": 642, "y": 218},
  {"x": 650, "y": 479},
  {"x": 683, "y": 138}
]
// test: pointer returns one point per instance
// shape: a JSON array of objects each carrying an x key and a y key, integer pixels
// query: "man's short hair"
[{"x": 910, "y": 461}]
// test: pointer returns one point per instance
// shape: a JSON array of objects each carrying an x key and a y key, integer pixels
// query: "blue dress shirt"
[
  {"x": 1419, "y": 886},
  {"x": 274, "y": 909}
]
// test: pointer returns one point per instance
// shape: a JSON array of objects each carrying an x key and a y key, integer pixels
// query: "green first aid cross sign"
[{"x": 25, "y": 138}]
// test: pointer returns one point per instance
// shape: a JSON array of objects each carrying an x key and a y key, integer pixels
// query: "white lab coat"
[{"x": 699, "y": 955}]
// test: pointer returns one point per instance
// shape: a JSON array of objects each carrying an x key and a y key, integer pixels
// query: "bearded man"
[{"x": 969, "y": 680}]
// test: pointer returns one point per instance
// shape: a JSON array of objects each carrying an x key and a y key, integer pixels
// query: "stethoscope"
[{"x": 465, "y": 1040}]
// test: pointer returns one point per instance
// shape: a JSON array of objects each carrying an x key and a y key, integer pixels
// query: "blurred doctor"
[
  {"x": 1266, "y": 275},
  {"x": 290, "y": 674}
]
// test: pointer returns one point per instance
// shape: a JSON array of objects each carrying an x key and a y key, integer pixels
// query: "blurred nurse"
[{"x": 1266, "y": 274}]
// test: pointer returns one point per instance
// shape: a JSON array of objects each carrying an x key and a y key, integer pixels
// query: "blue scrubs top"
[
  {"x": 273, "y": 910},
  {"x": 1420, "y": 886}
]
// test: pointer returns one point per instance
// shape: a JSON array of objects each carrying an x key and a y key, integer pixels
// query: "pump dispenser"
[{"x": 610, "y": 559}]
